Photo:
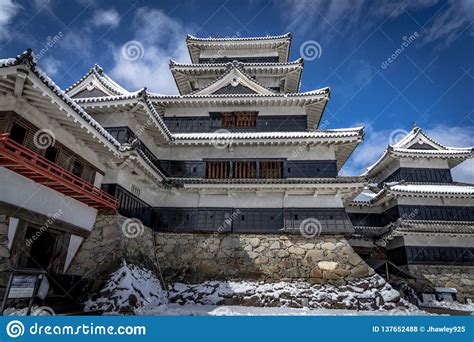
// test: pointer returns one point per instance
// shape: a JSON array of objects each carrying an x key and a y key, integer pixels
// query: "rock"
[
  {"x": 316, "y": 273},
  {"x": 328, "y": 246},
  {"x": 254, "y": 242},
  {"x": 296, "y": 250},
  {"x": 354, "y": 259},
  {"x": 4, "y": 252},
  {"x": 314, "y": 255},
  {"x": 327, "y": 265},
  {"x": 275, "y": 245},
  {"x": 261, "y": 260},
  {"x": 283, "y": 254}
]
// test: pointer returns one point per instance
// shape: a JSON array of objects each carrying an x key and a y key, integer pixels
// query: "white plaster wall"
[
  {"x": 291, "y": 152},
  {"x": 433, "y": 163},
  {"x": 226, "y": 50},
  {"x": 63, "y": 136},
  {"x": 435, "y": 201},
  {"x": 24, "y": 193},
  {"x": 243, "y": 199},
  {"x": 429, "y": 240}
]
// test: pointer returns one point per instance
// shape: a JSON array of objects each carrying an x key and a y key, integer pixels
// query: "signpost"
[{"x": 23, "y": 284}]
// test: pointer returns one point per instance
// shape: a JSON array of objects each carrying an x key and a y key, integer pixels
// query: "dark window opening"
[
  {"x": 18, "y": 133},
  {"x": 77, "y": 169},
  {"x": 244, "y": 169},
  {"x": 271, "y": 169},
  {"x": 217, "y": 169},
  {"x": 40, "y": 249},
  {"x": 51, "y": 153}
]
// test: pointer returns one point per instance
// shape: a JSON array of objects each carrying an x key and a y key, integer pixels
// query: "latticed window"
[
  {"x": 271, "y": 169},
  {"x": 244, "y": 169},
  {"x": 227, "y": 120},
  {"x": 217, "y": 169},
  {"x": 245, "y": 119}
]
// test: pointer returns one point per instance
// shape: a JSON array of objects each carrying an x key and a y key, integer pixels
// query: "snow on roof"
[
  {"x": 339, "y": 133},
  {"x": 28, "y": 58},
  {"x": 366, "y": 196},
  {"x": 102, "y": 78},
  {"x": 441, "y": 189},
  {"x": 173, "y": 64},
  {"x": 402, "y": 148},
  {"x": 237, "y": 39}
]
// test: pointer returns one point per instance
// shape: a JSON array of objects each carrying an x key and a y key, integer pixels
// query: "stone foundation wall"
[
  {"x": 5, "y": 264},
  {"x": 114, "y": 239},
  {"x": 459, "y": 277},
  {"x": 196, "y": 258}
]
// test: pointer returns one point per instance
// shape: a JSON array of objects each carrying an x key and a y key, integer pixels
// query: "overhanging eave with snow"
[{"x": 232, "y": 46}]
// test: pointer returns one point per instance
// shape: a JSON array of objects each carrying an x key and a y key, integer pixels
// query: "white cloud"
[
  {"x": 367, "y": 153},
  {"x": 109, "y": 17},
  {"x": 162, "y": 38},
  {"x": 456, "y": 137},
  {"x": 358, "y": 16},
  {"x": 375, "y": 143},
  {"x": 50, "y": 65},
  {"x": 8, "y": 10}
]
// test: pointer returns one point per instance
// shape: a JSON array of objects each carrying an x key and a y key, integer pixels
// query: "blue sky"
[{"x": 388, "y": 63}]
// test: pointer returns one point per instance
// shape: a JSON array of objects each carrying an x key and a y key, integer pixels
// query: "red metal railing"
[{"x": 27, "y": 163}]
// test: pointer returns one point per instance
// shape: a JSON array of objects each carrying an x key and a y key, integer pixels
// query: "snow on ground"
[
  {"x": 129, "y": 289},
  {"x": 450, "y": 305},
  {"x": 371, "y": 293},
  {"x": 213, "y": 310},
  {"x": 35, "y": 311}
]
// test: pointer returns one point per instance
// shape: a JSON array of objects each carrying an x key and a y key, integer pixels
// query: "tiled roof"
[
  {"x": 103, "y": 78},
  {"x": 230, "y": 39},
  {"x": 456, "y": 154},
  {"x": 349, "y": 132},
  {"x": 174, "y": 64},
  {"x": 28, "y": 59}
]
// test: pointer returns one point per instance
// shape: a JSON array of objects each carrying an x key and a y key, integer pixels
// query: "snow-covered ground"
[{"x": 213, "y": 310}]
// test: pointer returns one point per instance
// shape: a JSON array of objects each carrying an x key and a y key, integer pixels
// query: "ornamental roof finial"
[{"x": 414, "y": 124}]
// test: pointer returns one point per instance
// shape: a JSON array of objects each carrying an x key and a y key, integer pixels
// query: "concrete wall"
[
  {"x": 22, "y": 192},
  {"x": 198, "y": 257}
]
